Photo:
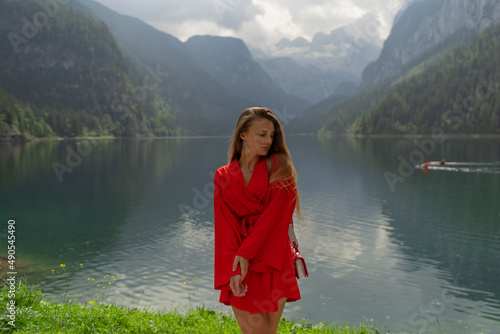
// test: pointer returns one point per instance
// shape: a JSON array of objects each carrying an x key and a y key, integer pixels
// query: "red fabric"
[{"x": 252, "y": 222}]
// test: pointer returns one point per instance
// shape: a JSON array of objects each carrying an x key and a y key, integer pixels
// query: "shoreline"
[
  {"x": 30, "y": 311},
  {"x": 411, "y": 136},
  {"x": 61, "y": 139},
  {"x": 326, "y": 135}
]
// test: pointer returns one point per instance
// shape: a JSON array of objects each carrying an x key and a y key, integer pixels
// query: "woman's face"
[{"x": 259, "y": 137}]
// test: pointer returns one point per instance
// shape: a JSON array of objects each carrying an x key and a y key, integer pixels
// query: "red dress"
[{"x": 252, "y": 222}]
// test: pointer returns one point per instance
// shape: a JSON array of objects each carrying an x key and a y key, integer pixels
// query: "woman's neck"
[{"x": 248, "y": 160}]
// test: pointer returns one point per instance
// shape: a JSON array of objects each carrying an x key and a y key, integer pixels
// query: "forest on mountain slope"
[
  {"x": 202, "y": 105},
  {"x": 76, "y": 76},
  {"x": 459, "y": 94},
  {"x": 64, "y": 72},
  {"x": 68, "y": 70}
]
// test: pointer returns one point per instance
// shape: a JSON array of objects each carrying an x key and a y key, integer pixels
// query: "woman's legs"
[
  {"x": 274, "y": 318},
  {"x": 261, "y": 323},
  {"x": 252, "y": 323}
]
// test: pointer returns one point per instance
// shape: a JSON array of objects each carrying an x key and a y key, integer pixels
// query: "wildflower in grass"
[{"x": 62, "y": 265}]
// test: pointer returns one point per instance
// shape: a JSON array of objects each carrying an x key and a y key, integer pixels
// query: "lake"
[{"x": 385, "y": 243}]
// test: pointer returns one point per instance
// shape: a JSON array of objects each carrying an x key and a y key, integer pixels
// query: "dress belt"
[{"x": 247, "y": 223}]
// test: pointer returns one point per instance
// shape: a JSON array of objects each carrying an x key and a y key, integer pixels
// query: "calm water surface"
[{"x": 142, "y": 210}]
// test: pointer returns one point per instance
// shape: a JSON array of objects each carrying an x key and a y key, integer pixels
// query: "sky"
[{"x": 260, "y": 23}]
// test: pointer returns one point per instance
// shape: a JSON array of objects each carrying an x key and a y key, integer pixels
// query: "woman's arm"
[
  {"x": 267, "y": 242},
  {"x": 227, "y": 239}
]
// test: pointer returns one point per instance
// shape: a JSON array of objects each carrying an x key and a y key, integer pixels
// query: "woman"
[{"x": 255, "y": 197}]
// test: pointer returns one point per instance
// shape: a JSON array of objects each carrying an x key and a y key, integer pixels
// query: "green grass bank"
[{"x": 34, "y": 313}]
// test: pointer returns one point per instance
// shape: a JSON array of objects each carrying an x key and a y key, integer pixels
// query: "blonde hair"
[{"x": 280, "y": 167}]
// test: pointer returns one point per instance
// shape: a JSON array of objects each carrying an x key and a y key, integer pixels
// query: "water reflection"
[
  {"x": 142, "y": 209},
  {"x": 409, "y": 245}
]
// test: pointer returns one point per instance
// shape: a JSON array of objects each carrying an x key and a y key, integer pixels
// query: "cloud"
[
  {"x": 261, "y": 23},
  {"x": 234, "y": 13}
]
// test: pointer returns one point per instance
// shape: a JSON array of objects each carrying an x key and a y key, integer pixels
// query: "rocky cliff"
[{"x": 424, "y": 29}]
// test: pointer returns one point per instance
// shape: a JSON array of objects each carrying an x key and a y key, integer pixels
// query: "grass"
[{"x": 35, "y": 314}]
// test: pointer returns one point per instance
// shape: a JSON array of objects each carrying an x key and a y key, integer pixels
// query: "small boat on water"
[
  {"x": 485, "y": 167},
  {"x": 460, "y": 164}
]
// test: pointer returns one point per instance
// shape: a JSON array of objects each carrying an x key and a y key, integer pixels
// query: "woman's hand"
[
  {"x": 243, "y": 266},
  {"x": 239, "y": 290},
  {"x": 236, "y": 281}
]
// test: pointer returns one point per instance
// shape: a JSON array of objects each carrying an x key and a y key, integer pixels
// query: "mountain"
[
  {"x": 313, "y": 69},
  {"x": 423, "y": 34},
  {"x": 73, "y": 63},
  {"x": 459, "y": 94},
  {"x": 65, "y": 72},
  {"x": 312, "y": 119},
  {"x": 346, "y": 49},
  {"x": 229, "y": 61},
  {"x": 307, "y": 81},
  {"x": 211, "y": 79},
  {"x": 426, "y": 28},
  {"x": 202, "y": 104},
  {"x": 62, "y": 75},
  {"x": 88, "y": 70},
  {"x": 338, "y": 112}
]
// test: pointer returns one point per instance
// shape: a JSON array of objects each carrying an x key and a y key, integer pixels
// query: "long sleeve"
[
  {"x": 227, "y": 239},
  {"x": 269, "y": 240},
  {"x": 252, "y": 221}
]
